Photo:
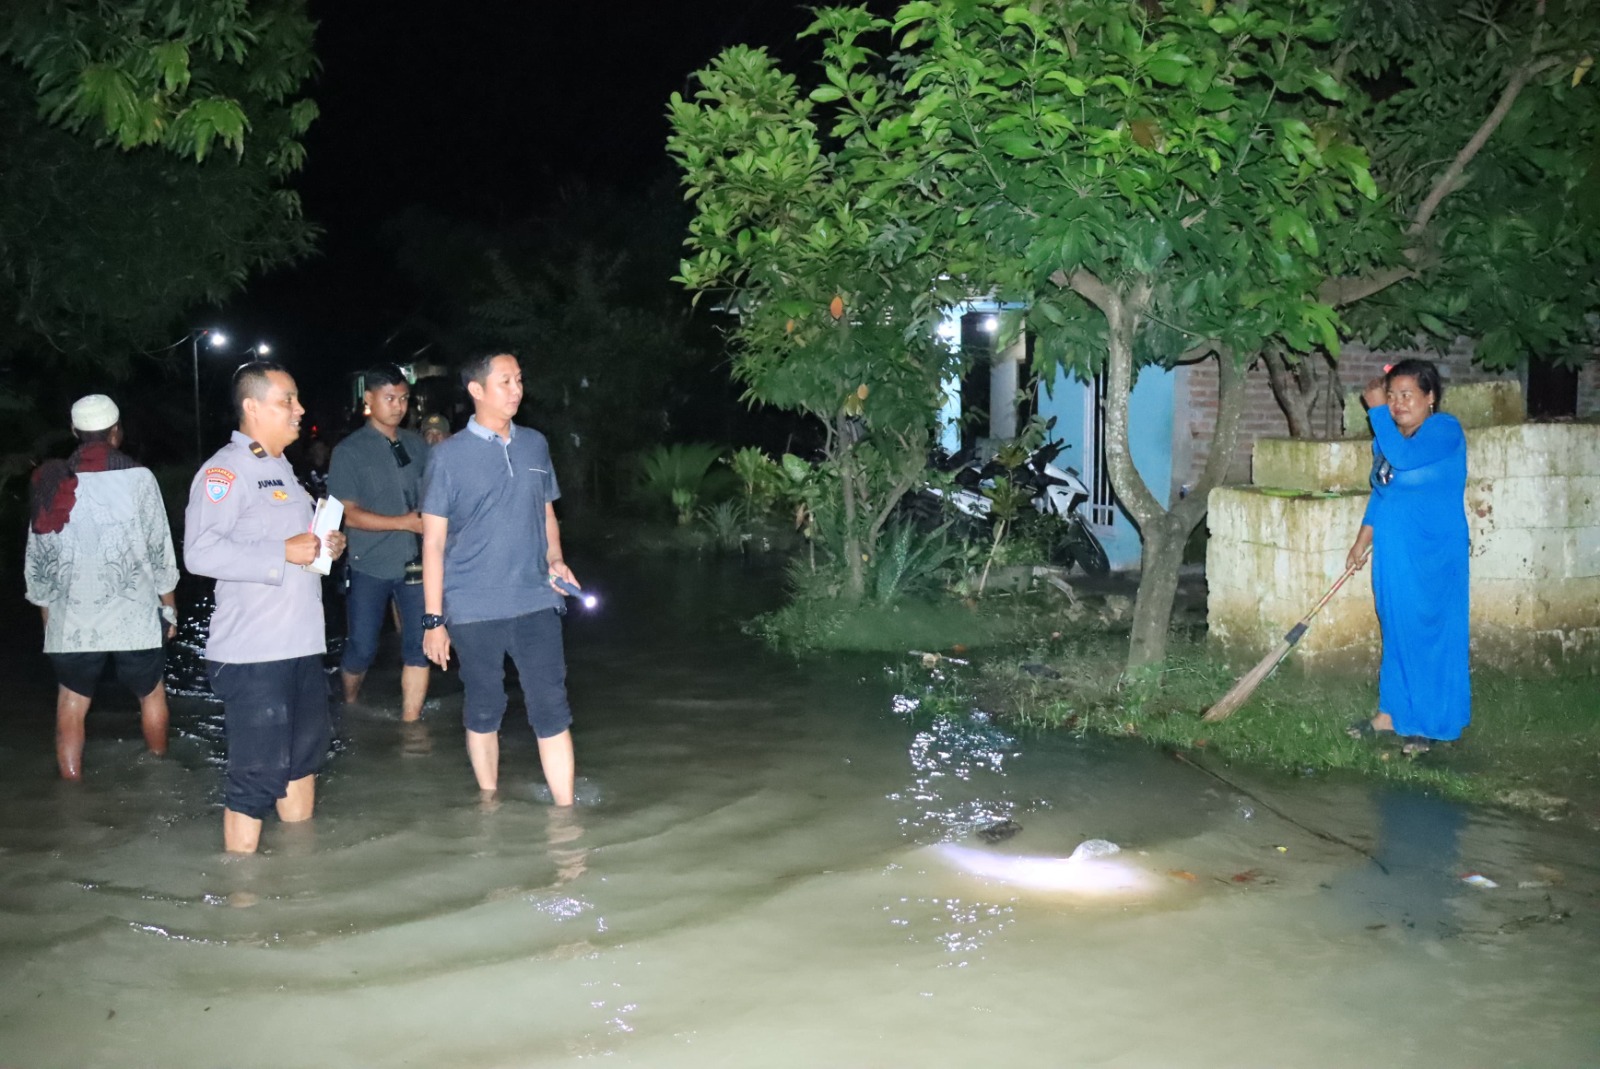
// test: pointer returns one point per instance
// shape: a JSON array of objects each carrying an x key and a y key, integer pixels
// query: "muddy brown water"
[{"x": 768, "y": 870}]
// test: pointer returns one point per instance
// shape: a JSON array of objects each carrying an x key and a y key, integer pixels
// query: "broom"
[{"x": 1231, "y": 701}]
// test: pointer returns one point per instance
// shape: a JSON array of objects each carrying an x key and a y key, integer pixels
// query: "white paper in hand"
[{"x": 329, "y": 514}]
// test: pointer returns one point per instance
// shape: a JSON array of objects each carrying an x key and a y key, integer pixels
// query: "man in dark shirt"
[
  {"x": 377, "y": 473},
  {"x": 491, "y": 549}
]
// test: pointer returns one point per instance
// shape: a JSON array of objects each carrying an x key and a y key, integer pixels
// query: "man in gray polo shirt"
[
  {"x": 248, "y": 526},
  {"x": 491, "y": 548},
  {"x": 377, "y": 473}
]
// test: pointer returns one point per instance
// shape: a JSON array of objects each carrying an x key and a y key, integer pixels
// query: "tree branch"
[
  {"x": 1122, "y": 323},
  {"x": 1086, "y": 285},
  {"x": 1338, "y": 292},
  {"x": 1199, "y": 351},
  {"x": 1224, "y": 437},
  {"x": 1341, "y": 291},
  {"x": 1447, "y": 181}
]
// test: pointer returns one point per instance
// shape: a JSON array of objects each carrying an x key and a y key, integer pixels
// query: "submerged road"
[{"x": 775, "y": 864}]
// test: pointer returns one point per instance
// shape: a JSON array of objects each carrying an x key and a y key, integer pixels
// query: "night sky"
[{"x": 482, "y": 110}]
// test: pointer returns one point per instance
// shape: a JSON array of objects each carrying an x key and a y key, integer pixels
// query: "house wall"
[
  {"x": 1196, "y": 405},
  {"x": 1150, "y": 441}
]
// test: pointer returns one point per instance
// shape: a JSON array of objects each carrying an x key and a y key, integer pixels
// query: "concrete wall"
[{"x": 1533, "y": 511}]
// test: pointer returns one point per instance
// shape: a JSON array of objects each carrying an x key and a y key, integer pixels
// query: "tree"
[
  {"x": 1151, "y": 180},
  {"x": 1485, "y": 136},
  {"x": 1488, "y": 151},
  {"x": 116, "y": 211},
  {"x": 837, "y": 289}
]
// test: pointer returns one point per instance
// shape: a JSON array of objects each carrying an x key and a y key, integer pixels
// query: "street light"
[{"x": 216, "y": 339}]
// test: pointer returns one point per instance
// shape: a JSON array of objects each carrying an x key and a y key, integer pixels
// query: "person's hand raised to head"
[{"x": 1376, "y": 392}]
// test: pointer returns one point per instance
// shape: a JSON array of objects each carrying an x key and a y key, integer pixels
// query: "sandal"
[
  {"x": 1415, "y": 745},
  {"x": 1363, "y": 729}
]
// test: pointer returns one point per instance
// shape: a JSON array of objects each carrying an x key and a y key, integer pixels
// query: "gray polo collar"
[{"x": 486, "y": 434}]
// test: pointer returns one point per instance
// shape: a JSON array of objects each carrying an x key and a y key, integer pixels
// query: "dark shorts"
[
  {"x": 366, "y": 604},
  {"x": 534, "y": 643},
  {"x": 141, "y": 671},
  {"x": 275, "y": 717}
]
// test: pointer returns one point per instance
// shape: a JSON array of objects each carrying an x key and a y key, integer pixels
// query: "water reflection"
[
  {"x": 1415, "y": 873},
  {"x": 958, "y": 766}
]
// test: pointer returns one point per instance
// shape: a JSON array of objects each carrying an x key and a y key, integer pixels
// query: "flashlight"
[{"x": 589, "y": 600}]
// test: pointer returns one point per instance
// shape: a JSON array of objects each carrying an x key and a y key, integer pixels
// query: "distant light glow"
[
  {"x": 990, "y": 324},
  {"x": 216, "y": 339},
  {"x": 263, "y": 348}
]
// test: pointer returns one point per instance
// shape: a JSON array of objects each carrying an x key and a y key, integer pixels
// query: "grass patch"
[
  {"x": 1533, "y": 744},
  {"x": 936, "y": 623}
]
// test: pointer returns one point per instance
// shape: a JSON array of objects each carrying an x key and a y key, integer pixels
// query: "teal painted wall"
[{"x": 1150, "y": 413}]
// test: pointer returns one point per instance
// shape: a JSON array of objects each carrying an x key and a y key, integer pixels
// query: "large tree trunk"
[
  {"x": 1164, "y": 531},
  {"x": 1162, "y": 553},
  {"x": 1161, "y": 556}
]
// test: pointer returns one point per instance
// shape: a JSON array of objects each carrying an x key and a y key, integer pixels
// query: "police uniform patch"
[
  {"x": 218, "y": 482},
  {"x": 280, "y": 495}
]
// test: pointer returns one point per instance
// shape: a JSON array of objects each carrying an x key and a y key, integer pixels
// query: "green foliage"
[
  {"x": 837, "y": 294},
  {"x": 180, "y": 75},
  {"x": 760, "y": 478},
  {"x": 1530, "y": 743},
  {"x": 104, "y": 242},
  {"x": 1146, "y": 179},
  {"x": 676, "y": 475},
  {"x": 1067, "y": 150},
  {"x": 1154, "y": 182},
  {"x": 726, "y": 522},
  {"x": 911, "y": 561},
  {"x": 1510, "y": 256}
]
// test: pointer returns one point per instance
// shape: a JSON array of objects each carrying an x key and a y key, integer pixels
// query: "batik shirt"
[{"x": 102, "y": 575}]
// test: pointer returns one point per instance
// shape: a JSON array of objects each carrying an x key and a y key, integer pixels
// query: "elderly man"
[
  {"x": 377, "y": 473},
  {"x": 100, "y": 566},
  {"x": 491, "y": 551},
  {"x": 248, "y": 526}
]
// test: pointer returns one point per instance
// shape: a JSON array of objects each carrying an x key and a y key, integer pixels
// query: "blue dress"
[{"x": 1420, "y": 573}]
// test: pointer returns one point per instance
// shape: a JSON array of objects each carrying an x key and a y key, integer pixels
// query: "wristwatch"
[{"x": 431, "y": 620}]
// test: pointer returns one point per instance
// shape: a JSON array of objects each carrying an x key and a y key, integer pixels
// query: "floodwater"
[{"x": 774, "y": 865}]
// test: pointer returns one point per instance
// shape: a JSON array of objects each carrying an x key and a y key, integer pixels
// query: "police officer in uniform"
[{"x": 248, "y": 525}]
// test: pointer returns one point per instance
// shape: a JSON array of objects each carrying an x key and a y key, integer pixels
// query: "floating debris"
[{"x": 999, "y": 831}]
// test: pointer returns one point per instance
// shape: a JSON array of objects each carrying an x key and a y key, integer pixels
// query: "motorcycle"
[{"x": 1052, "y": 490}]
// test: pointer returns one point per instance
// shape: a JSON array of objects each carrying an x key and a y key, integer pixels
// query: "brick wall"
[{"x": 1195, "y": 408}]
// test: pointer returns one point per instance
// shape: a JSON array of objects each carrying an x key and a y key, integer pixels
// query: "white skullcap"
[{"x": 94, "y": 413}]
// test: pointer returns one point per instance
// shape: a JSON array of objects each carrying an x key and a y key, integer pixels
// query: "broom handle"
[{"x": 1299, "y": 629}]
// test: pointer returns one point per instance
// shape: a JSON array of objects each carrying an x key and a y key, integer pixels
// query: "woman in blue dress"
[{"x": 1416, "y": 525}]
